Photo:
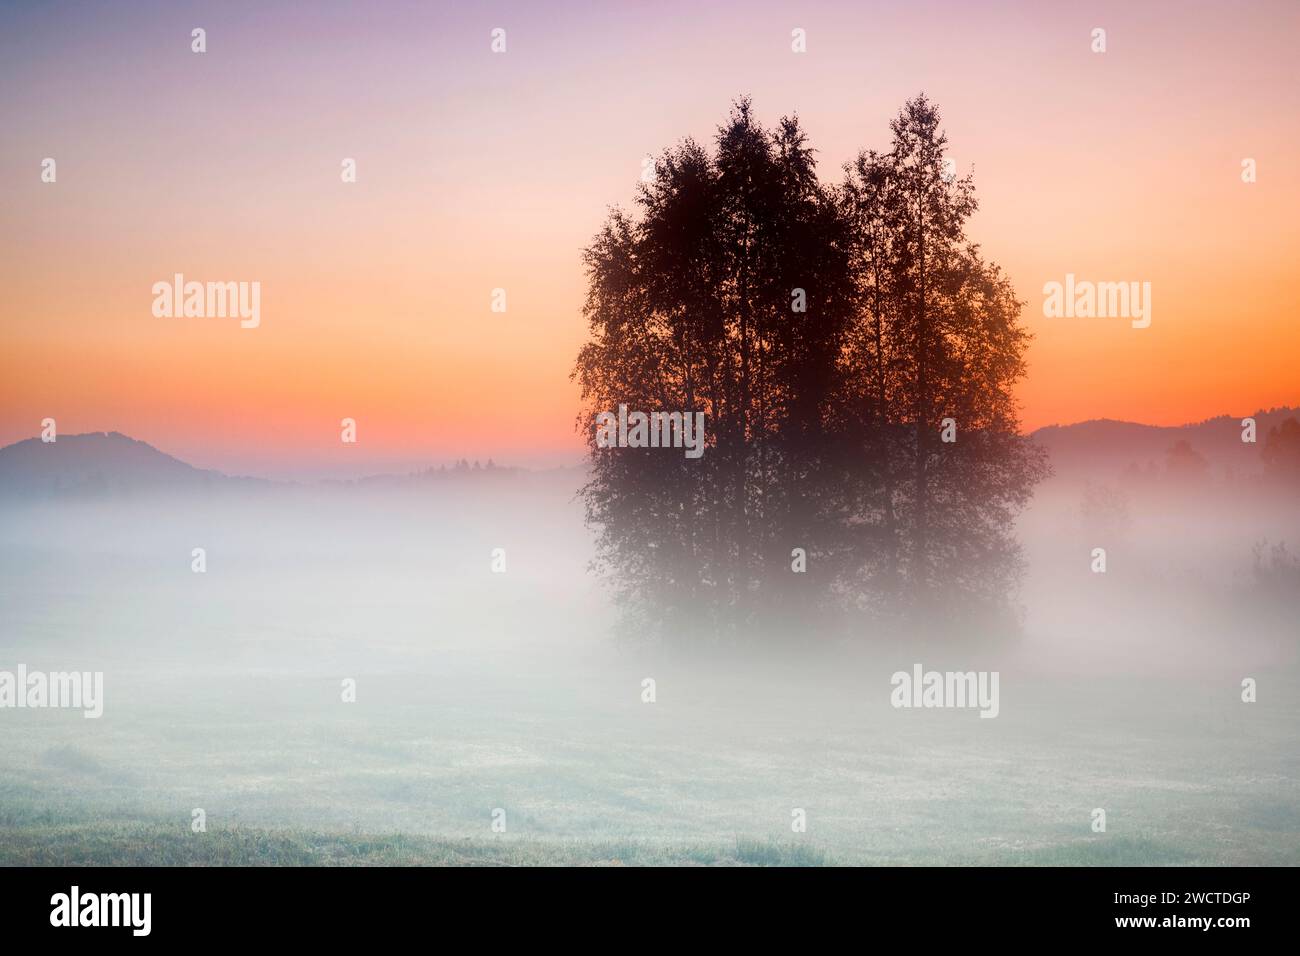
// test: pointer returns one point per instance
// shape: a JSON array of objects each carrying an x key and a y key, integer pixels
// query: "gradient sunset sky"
[{"x": 478, "y": 171}]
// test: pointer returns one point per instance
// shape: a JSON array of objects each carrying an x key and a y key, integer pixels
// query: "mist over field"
[{"x": 478, "y": 691}]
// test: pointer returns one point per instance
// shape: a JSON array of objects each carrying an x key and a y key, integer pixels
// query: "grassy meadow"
[{"x": 478, "y": 692}]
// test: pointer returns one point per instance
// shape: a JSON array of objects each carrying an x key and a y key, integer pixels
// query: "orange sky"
[{"x": 478, "y": 171}]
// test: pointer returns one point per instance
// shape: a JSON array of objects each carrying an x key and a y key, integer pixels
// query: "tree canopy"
[{"x": 854, "y": 355}]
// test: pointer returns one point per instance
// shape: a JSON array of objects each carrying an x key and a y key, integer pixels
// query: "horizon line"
[{"x": 425, "y": 464}]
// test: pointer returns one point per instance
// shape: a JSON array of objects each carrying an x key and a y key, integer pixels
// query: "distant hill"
[
  {"x": 100, "y": 463},
  {"x": 112, "y": 463},
  {"x": 1102, "y": 449}
]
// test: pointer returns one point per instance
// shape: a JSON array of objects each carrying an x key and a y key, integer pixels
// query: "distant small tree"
[
  {"x": 1276, "y": 572},
  {"x": 1105, "y": 511},
  {"x": 1281, "y": 454},
  {"x": 1184, "y": 463}
]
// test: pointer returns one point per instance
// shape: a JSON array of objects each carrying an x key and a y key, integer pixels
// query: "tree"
[
  {"x": 1281, "y": 454},
  {"x": 940, "y": 340},
  {"x": 1184, "y": 463},
  {"x": 825, "y": 332},
  {"x": 1105, "y": 512}
]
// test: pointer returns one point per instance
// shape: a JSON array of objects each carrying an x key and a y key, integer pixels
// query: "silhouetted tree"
[
  {"x": 1281, "y": 454},
  {"x": 1105, "y": 511},
  {"x": 938, "y": 337},
  {"x": 825, "y": 332},
  {"x": 1184, "y": 463}
]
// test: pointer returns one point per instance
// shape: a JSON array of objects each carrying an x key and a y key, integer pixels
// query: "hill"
[
  {"x": 100, "y": 463},
  {"x": 1102, "y": 449}
]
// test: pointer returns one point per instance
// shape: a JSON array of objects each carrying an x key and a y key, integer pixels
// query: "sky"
[{"x": 479, "y": 170}]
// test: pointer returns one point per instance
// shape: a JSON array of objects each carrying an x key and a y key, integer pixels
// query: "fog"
[{"x": 478, "y": 690}]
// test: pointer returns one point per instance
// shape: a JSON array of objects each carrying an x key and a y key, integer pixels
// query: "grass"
[
  {"x": 138, "y": 844},
  {"x": 413, "y": 778},
  {"x": 479, "y": 691}
]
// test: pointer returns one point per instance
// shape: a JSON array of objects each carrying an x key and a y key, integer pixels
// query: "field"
[
  {"x": 412, "y": 771},
  {"x": 482, "y": 693}
]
